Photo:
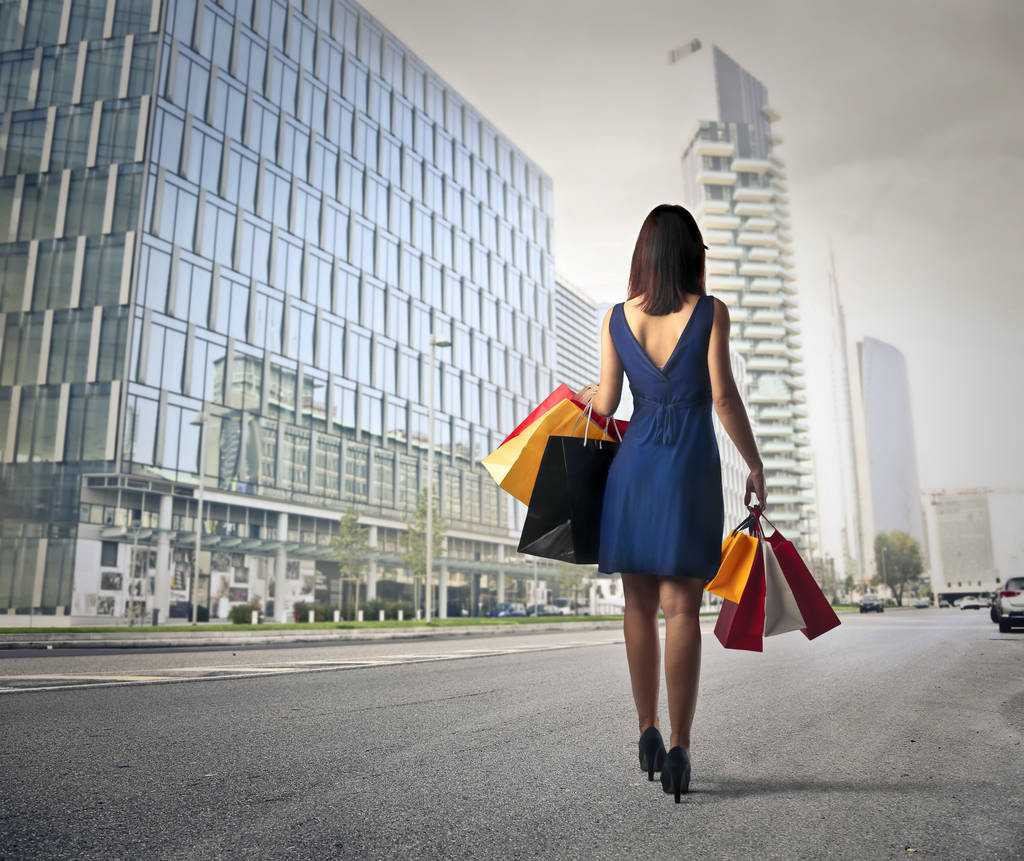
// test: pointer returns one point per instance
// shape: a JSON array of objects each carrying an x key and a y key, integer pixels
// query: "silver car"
[{"x": 1010, "y": 605}]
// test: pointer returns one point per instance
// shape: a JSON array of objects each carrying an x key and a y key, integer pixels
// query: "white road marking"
[{"x": 76, "y": 681}]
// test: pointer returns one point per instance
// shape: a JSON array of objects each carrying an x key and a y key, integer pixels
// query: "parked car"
[
  {"x": 564, "y": 606},
  {"x": 542, "y": 610},
  {"x": 509, "y": 608},
  {"x": 1010, "y": 606},
  {"x": 871, "y": 604},
  {"x": 944, "y": 603},
  {"x": 972, "y": 602},
  {"x": 920, "y": 603}
]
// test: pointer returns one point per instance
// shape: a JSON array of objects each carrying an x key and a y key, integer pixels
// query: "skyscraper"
[
  {"x": 259, "y": 210},
  {"x": 577, "y": 336},
  {"x": 889, "y": 454},
  {"x": 853, "y": 559},
  {"x": 735, "y": 183}
]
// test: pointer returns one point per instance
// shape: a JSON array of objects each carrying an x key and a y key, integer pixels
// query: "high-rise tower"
[{"x": 735, "y": 184}]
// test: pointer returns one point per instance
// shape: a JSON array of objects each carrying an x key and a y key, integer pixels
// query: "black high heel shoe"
[
  {"x": 652, "y": 751},
  {"x": 675, "y": 773}
]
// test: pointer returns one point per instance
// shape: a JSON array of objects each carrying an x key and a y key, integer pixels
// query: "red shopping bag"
[
  {"x": 562, "y": 393},
  {"x": 741, "y": 626},
  {"x": 815, "y": 608}
]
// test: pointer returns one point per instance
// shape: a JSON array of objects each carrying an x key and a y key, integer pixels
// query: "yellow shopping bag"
[
  {"x": 514, "y": 464},
  {"x": 738, "y": 553}
]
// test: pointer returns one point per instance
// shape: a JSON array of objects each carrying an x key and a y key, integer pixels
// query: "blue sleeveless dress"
[{"x": 663, "y": 510}]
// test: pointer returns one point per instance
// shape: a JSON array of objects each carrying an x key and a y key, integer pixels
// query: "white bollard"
[
  {"x": 312, "y": 616},
  {"x": 359, "y": 615},
  {"x": 401, "y": 615},
  {"x": 381, "y": 616},
  {"x": 337, "y": 615},
  {"x": 255, "y": 617},
  {"x": 419, "y": 614}
]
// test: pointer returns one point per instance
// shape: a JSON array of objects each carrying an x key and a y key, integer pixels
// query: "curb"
[{"x": 227, "y": 638}]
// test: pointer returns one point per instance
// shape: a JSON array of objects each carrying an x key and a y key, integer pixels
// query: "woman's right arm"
[{"x": 729, "y": 405}]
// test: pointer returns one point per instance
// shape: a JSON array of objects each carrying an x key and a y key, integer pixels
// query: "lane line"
[{"x": 78, "y": 681}]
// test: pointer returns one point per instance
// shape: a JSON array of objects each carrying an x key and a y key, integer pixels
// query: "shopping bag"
[
  {"x": 815, "y": 608},
  {"x": 738, "y": 553},
  {"x": 514, "y": 464},
  {"x": 740, "y": 624},
  {"x": 562, "y": 393},
  {"x": 564, "y": 518},
  {"x": 781, "y": 612}
]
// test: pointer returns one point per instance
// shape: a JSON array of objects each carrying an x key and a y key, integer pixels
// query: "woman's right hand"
[{"x": 755, "y": 485}]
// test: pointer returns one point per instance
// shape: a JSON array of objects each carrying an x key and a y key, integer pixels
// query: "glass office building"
[{"x": 257, "y": 211}]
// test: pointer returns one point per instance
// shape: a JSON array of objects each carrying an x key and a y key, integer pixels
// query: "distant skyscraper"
[
  {"x": 890, "y": 455},
  {"x": 262, "y": 210},
  {"x": 849, "y": 497},
  {"x": 577, "y": 336},
  {"x": 735, "y": 183}
]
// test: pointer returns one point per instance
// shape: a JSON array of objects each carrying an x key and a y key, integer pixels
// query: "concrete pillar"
[
  {"x": 501, "y": 586},
  {"x": 442, "y": 582},
  {"x": 442, "y": 591},
  {"x": 161, "y": 597},
  {"x": 281, "y": 605},
  {"x": 474, "y": 594},
  {"x": 371, "y": 567}
]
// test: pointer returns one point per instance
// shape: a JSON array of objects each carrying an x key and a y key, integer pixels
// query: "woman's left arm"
[{"x": 608, "y": 393}]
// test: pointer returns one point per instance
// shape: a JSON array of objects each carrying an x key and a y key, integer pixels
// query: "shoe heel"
[
  {"x": 652, "y": 752},
  {"x": 675, "y": 775}
]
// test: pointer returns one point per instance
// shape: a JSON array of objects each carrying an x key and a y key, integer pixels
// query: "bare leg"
[
  {"x": 680, "y": 600},
  {"x": 643, "y": 645}
]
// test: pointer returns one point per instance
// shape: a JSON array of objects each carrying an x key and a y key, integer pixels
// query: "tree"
[
  {"x": 351, "y": 548},
  {"x": 898, "y": 558},
  {"x": 414, "y": 556}
]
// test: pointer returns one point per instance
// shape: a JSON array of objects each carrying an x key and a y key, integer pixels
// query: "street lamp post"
[
  {"x": 885, "y": 575},
  {"x": 200, "y": 419},
  {"x": 434, "y": 343}
]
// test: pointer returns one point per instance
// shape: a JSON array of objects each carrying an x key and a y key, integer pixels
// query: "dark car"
[
  {"x": 871, "y": 604},
  {"x": 508, "y": 608}
]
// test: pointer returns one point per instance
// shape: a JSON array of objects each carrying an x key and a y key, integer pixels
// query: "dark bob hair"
[{"x": 668, "y": 260}]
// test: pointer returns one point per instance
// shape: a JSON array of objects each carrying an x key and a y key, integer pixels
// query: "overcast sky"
[{"x": 903, "y": 134}]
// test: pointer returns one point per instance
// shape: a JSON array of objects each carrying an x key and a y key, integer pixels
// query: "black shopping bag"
[{"x": 563, "y": 520}]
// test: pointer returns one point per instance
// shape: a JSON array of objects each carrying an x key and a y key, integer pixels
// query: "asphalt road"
[{"x": 894, "y": 735}]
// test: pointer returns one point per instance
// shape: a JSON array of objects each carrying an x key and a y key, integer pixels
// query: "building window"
[
  {"x": 204, "y": 157},
  {"x": 55, "y": 266},
  {"x": 268, "y": 319},
  {"x": 192, "y": 292},
  {"x": 69, "y": 347},
  {"x": 177, "y": 214},
  {"x": 108, "y": 549},
  {"x": 102, "y": 271},
  {"x": 191, "y": 82}
]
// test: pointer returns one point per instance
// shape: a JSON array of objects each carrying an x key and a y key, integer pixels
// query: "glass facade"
[{"x": 265, "y": 208}]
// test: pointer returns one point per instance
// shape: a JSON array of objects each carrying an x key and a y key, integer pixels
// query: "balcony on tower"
[
  {"x": 702, "y": 147},
  {"x": 754, "y": 194},
  {"x": 754, "y": 237},
  {"x": 761, "y": 224},
  {"x": 758, "y": 166},
  {"x": 755, "y": 269},
  {"x": 715, "y": 221},
  {"x": 710, "y": 176},
  {"x": 725, "y": 252},
  {"x": 762, "y": 252}
]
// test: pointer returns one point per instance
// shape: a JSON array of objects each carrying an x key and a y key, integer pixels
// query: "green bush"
[
  {"x": 321, "y": 612},
  {"x": 241, "y": 614},
  {"x": 372, "y": 608}
]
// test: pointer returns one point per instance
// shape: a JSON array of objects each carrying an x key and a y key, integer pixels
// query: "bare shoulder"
[
  {"x": 607, "y": 318},
  {"x": 721, "y": 311}
]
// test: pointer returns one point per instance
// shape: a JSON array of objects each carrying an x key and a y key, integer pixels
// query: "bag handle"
[{"x": 588, "y": 411}]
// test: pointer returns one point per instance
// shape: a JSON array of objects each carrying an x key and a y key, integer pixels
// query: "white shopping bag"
[{"x": 781, "y": 613}]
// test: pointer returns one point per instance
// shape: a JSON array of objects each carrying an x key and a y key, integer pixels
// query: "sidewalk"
[{"x": 157, "y": 639}]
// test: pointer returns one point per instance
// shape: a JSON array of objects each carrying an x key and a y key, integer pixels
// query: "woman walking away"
[{"x": 661, "y": 526}]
